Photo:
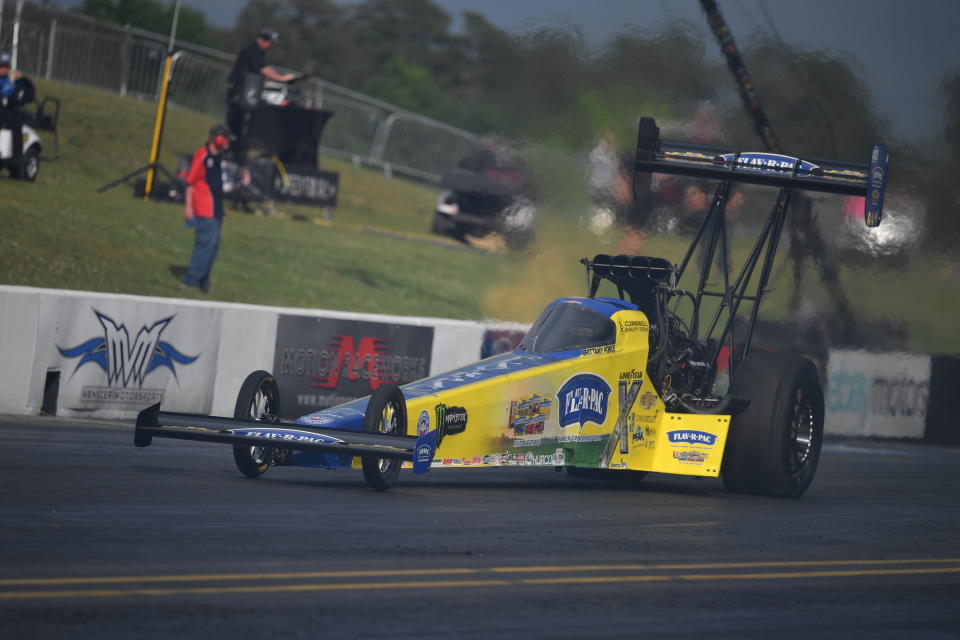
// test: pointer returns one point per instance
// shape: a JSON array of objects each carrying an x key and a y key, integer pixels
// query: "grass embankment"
[{"x": 58, "y": 232}]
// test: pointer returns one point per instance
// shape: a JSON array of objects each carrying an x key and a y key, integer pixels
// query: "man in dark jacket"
[
  {"x": 252, "y": 59},
  {"x": 204, "y": 206}
]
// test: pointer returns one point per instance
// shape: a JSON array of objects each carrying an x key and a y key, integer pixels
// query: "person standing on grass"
[
  {"x": 12, "y": 92},
  {"x": 203, "y": 208}
]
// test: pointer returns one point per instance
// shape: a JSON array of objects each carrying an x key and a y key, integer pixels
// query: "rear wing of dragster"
[
  {"x": 763, "y": 168},
  {"x": 153, "y": 423}
]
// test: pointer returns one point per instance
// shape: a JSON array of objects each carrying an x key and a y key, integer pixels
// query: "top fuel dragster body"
[{"x": 599, "y": 383}]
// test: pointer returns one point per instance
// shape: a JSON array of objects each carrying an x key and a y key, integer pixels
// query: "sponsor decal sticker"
[
  {"x": 317, "y": 419},
  {"x": 496, "y": 366},
  {"x": 286, "y": 435},
  {"x": 629, "y": 326},
  {"x": 583, "y": 398},
  {"x": 424, "y": 453},
  {"x": 627, "y": 397},
  {"x": 690, "y": 436},
  {"x": 529, "y": 415},
  {"x": 598, "y": 351},
  {"x": 769, "y": 162},
  {"x": 529, "y": 458},
  {"x": 648, "y": 400},
  {"x": 690, "y": 457},
  {"x": 423, "y": 423},
  {"x": 450, "y": 421}
]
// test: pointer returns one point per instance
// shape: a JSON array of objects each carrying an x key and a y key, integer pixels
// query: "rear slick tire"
[
  {"x": 259, "y": 399},
  {"x": 773, "y": 447},
  {"x": 386, "y": 413}
]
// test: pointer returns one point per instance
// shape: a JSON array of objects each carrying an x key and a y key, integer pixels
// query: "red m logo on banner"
[{"x": 356, "y": 362}]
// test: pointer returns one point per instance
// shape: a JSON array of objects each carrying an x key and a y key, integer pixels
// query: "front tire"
[
  {"x": 259, "y": 399},
  {"x": 773, "y": 447},
  {"x": 386, "y": 413},
  {"x": 29, "y": 167}
]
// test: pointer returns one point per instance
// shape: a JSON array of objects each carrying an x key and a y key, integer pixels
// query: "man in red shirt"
[{"x": 204, "y": 206}]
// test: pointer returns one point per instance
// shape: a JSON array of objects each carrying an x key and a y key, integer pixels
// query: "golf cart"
[{"x": 43, "y": 117}]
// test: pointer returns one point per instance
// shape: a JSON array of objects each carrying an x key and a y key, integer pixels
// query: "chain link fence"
[{"x": 73, "y": 48}]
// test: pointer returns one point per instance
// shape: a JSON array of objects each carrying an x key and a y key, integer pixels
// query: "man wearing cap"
[
  {"x": 252, "y": 59},
  {"x": 203, "y": 207},
  {"x": 11, "y": 117}
]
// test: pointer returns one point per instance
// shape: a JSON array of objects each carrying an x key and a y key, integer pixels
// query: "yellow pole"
[{"x": 158, "y": 126}]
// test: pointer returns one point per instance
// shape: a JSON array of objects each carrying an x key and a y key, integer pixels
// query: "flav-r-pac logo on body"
[
  {"x": 769, "y": 162},
  {"x": 128, "y": 361},
  {"x": 583, "y": 398},
  {"x": 690, "y": 436}
]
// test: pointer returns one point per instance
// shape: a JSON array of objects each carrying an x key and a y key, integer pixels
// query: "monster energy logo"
[{"x": 450, "y": 421}]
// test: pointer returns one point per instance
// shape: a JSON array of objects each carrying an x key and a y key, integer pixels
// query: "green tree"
[
  {"x": 412, "y": 87},
  {"x": 152, "y": 15}
]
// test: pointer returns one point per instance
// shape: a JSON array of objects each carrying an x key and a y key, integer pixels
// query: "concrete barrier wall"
[
  {"x": 108, "y": 355},
  {"x": 877, "y": 394}
]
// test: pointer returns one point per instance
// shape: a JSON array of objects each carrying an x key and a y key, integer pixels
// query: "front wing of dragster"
[{"x": 153, "y": 423}]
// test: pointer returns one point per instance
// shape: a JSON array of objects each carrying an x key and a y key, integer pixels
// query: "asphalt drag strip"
[{"x": 101, "y": 539}]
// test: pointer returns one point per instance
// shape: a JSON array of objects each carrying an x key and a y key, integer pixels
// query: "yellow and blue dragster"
[{"x": 659, "y": 379}]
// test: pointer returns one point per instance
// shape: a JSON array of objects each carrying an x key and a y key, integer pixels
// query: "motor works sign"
[{"x": 323, "y": 362}]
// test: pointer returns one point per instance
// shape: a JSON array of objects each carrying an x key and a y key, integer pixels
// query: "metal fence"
[{"x": 73, "y": 48}]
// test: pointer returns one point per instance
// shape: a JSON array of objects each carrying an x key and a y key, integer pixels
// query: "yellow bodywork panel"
[{"x": 597, "y": 410}]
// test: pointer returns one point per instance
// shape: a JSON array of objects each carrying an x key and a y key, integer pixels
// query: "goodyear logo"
[
  {"x": 689, "y": 436},
  {"x": 583, "y": 398}
]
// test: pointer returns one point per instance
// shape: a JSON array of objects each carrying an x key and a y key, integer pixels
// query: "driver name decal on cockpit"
[{"x": 583, "y": 398}]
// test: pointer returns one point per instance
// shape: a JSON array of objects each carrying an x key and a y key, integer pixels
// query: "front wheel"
[
  {"x": 773, "y": 447},
  {"x": 29, "y": 167},
  {"x": 386, "y": 413},
  {"x": 259, "y": 399}
]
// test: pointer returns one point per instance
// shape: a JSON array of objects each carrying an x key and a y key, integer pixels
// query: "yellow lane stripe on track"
[
  {"x": 718, "y": 565},
  {"x": 214, "y": 577},
  {"x": 428, "y": 584},
  {"x": 817, "y": 574},
  {"x": 287, "y": 588}
]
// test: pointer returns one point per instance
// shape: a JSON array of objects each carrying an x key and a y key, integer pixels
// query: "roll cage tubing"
[{"x": 640, "y": 277}]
